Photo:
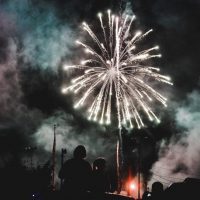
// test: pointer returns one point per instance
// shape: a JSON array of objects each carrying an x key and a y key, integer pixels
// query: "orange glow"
[{"x": 132, "y": 186}]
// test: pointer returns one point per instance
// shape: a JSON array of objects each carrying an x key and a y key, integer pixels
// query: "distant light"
[{"x": 132, "y": 186}]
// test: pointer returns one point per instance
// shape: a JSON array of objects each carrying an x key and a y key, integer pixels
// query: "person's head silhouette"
[
  {"x": 157, "y": 188},
  {"x": 99, "y": 164},
  {"x": 80, "y": 152}
]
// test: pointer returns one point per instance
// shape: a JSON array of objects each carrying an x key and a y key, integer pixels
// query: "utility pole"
[
  {"x": 119, "y": 160},
  {"x": 63, "y": 152},
  {"x": 54, "y": 157},
  {"x": 137, "y": 140},
  {"x": 118, "y": 168},
  {"x": 139, "y": 168},
  {"x": 140, "y": 139}
]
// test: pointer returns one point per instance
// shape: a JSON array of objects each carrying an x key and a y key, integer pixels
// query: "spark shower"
[{"x": 114, "y": 70}]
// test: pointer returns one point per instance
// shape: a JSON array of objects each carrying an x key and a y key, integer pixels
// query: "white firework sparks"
[{"x": 116, "y": 70}]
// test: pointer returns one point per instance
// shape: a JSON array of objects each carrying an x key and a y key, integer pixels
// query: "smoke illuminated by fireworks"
[{"x": 114, "y": 71}]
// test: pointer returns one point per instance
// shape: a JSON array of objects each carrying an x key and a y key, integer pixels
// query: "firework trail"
[{"x": 114, "y": 71}]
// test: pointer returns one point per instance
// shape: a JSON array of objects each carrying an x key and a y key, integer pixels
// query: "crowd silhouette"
[{"x": 81, "y": 180}]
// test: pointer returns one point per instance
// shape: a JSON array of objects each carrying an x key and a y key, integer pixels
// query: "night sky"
[{"x": 37, "y": 38}]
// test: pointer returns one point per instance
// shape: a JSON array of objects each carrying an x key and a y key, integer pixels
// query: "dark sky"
[{"x": 37, "y": 37}]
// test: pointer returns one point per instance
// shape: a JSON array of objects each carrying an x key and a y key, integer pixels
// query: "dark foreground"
[
  {"x": 189, "y": 189},
  {"x": 17, "y": 183}
]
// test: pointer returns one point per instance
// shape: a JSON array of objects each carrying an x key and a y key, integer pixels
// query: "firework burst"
[{"x": 116, "y": 70}]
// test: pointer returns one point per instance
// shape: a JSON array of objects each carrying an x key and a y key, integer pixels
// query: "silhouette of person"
[
  {"x": 146, "y": 195},
  {"x": 76, "y": 174},
  {"x": 157, "y": 191},
  {"x": 100, "y": 179}
]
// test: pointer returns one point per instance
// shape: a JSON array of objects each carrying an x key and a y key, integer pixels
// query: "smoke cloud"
[
  {"x": 97, "y": 141},
  {"x": 44, "y": 38},
  {"x": 9, "y": 79},
  {"x": 69, "y": 134},
  {"x": 179, "y": 158},
  {"x": 32, "y": 36}
]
